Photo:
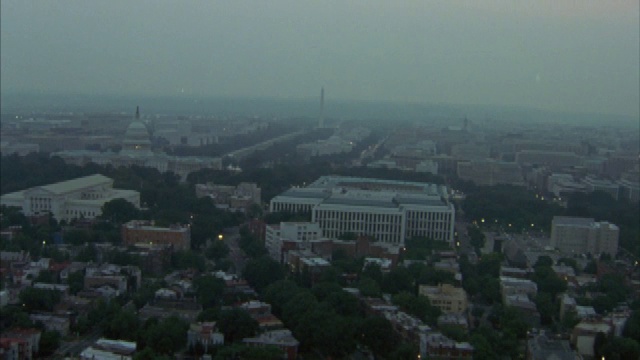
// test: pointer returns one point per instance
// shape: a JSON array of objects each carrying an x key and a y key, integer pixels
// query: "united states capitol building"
[
  {"x": 390, "y": 211},
  {"x": 136, "y": 150}
]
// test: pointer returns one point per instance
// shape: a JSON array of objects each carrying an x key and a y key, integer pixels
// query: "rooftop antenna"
[{"x": 137, "y": 112}]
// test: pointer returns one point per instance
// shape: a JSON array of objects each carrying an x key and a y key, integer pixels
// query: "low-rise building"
[
  {"x": 541, "y": 347},
  {"x": 52, "y": 322},
  {"x": 205, "y": 334},
  {"x": 435, "y": 345},
  {"x": 283, "y": 339},
  {"x": 516, "y": 286},
  {"x": 105, "y": 349},
  {"x": 446, "y": 297},
  {"x": 584, "y": 334},
  {"x": 144, "y": 232},
  {"x": 234, "y": 198}
]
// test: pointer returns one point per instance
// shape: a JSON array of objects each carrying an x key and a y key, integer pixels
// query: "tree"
[
  {"x": 187, "y": 259},
  {"x": 369, "y": 288},
  {"x": 543, "y": 260},
  {"x": 514, "y": 321},
  {"x": 217, "y": 250},
  {"x": 373, "y": 271},
  {"x": 236, "y": 324},
  {"x": 476, "y": 237},
  {"x": 482, "y": 349},
  {"x": 378, "y": 335},
  {"x": 247, "y": 352},
  {"x": 124, "y": 326},
  {"x": 397, "y": 280},
  {"x": 546, "y": 308},
  {"x": 120, "y": 211},
  {"x": 279, "y": 293},
  {"x": 209, "y": 290},
  {"x": 418, "y": 306},
  {"x": 34, "y": 299},
  {"x": 164, "y": 337},
  {"x": 49, "y": 343},
  {"x": 262, "y": 271}
]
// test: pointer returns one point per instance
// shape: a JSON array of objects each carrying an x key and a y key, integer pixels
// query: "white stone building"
[
  {"x": 71, "y": 199},
  {"x": 301, "y": 232},
  {"x": 390, "y": 211}
]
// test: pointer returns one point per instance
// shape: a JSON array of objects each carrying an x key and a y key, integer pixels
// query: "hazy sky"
[{"x": 581, "y": 55}]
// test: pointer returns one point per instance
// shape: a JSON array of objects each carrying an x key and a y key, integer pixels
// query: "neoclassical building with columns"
[{"x": 72, "y": 199}]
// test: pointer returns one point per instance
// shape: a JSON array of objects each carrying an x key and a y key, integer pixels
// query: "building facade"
[
  {"x": 448, "y": 298},
  {"x": 72, "y": 199},
  {"x": 389, "y": 211},
  {"x": 573, "y": 235},
  {"x": 143, "y": 232},
  {"x": 300, "y": 233}
]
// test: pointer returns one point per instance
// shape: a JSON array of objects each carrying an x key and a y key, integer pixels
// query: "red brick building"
[{"x": 143, "y": 232}]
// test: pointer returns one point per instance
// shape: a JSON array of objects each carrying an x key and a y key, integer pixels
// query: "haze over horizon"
[{"x": 580, "y": 57}]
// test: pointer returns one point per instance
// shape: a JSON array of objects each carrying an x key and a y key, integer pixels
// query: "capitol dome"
[{"x": 136, "y": 139}]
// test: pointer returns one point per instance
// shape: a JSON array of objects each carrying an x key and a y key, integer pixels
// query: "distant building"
[
  {"x": 136, "y": 150},
  {"x": 609, "y": 187},
  {"x": 435, "y": 345},
  {"x": 446, "y": 297},
  {"x": 390, "y": 211},
  {"x": 541, "y": 347},
  {"x": 490, "y": 172},
  {"x": 143, "y": 232},
  {"x": 72, "y": 199},
  {"x": 283, "y": 339},
  {"x": 573, "y": 235},
  {"x": 551, "y": 159},
  {"x": 584, "y": 334},
  {"x": 109, "y": 349},
  {"x": 239, "y": 197},
  {"x": 300, "y": 233},
  {"x": 204, "y": 333},
  {"x": 516, "y": 286}
]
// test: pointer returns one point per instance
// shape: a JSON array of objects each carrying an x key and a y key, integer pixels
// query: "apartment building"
[
  {"x": 448, "y": 298},
  {"x": 574, "y": 235}
]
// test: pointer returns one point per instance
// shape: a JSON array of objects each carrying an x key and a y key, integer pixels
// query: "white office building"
[
  {"x": 574, "y": 235},
  {"x": 71, "y": 199},
  {"x": 390, "y": 211},
  {"x": 299, "y": 232}
]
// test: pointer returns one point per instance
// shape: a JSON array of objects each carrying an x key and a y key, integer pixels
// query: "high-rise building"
[{"x": 574, "y": 235}]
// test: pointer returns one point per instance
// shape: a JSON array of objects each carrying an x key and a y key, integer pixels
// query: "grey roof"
[
  {"x": 75, "y": 184},
  {"x": 307, "y": 194},
  {"x": 575, "y": 221},
  {"x": 420, "y": 201},
  {"x": 542, "y": 347},
  {"x": 360, "y": 202}
]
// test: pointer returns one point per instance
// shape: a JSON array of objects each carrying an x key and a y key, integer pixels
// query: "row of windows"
[
  {"x": 78, "y": 213},
  {"x": 291, "y": 207}
]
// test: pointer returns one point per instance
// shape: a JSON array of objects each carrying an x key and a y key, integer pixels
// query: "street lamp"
[{"x": 220, "y": 237}]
